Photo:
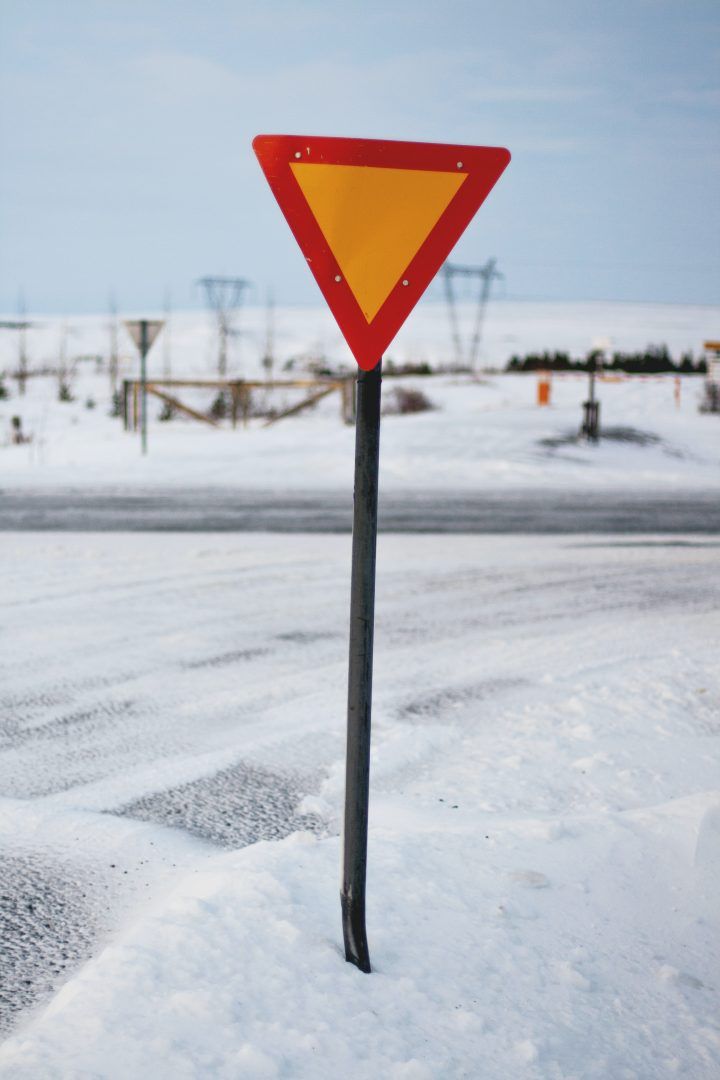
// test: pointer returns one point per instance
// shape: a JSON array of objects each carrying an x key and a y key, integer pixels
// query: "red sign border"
[{"x": 483, "y": 164}]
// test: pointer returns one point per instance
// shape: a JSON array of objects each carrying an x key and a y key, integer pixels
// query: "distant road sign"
[
  {"x": 152, "y": 329},
  {"x": 143, "y": 332},
  {"x": 375, "y": 220}
]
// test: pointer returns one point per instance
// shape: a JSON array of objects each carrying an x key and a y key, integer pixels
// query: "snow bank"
[
  {"x": 518, "y": 947},
  {"x": 545, "y": 811}
]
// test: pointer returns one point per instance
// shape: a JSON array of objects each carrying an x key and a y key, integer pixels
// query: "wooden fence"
[{"x": 239, "y": 392}]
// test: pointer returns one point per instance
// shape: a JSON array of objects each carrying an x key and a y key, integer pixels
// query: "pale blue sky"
[{"x": 125, "y": 130}]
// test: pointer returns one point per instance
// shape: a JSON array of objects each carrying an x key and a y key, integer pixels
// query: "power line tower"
[
  {"x": 268, "y": 358},
  {"x": 113, "y": 365},
  {"x": 22, "y": 344},
  {"x": 484, "y": 275},
  {"x": 167, "y": 337},
  {"x": 22, "y": 325},
  {"x": 224, "y": 297},
  {"x": 66, "y": 367}
]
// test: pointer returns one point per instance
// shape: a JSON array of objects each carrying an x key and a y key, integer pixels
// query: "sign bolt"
[
  {"x": 459, "y": 164},
  {"x": 405, "y": 281},
  {"x": 298, "y": 154},
  {"x": 338, "y": 278}
]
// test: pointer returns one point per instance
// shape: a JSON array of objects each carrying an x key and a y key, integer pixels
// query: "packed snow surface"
[{"x": 545, "y": 809}]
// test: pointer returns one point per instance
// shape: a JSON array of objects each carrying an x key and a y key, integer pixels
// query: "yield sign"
[
  {"x": 375, "y": 220},
  {"x": 152, "y": 329}
]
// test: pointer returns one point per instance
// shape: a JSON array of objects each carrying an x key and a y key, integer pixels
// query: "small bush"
[
  {"x": 90, "y": 403},
  {"x": 402, "y": 400},
  {"x": 321, "y": 369},
  {"x": 220, "y": 407},
  {"x": 64, "y": 391},
  {"x": 3, "y": 389},
  {"x": 167, "y": 413}
]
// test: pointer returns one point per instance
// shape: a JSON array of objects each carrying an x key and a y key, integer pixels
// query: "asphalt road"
[{"x": 231, "y": 510}]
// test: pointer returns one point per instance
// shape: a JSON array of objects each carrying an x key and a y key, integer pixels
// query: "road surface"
[{"x": 231, "y": 510}]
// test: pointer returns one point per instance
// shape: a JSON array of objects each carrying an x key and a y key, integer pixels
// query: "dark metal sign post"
[
  {"x": 362, "y": 625},
  {"x": 330, "y": 190},
  {"x": 591, "y": 407},
  {"x": 143, "y": 332}
]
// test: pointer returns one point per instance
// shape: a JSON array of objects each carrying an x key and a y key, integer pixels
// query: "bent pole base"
[
  {"x": 357, "y": 950},
  {"x": 362, "y": 621}
]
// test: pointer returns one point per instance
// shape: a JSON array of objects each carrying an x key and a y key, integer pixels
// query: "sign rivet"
[
  {"x": 298, "y": 154},
  {"x": 405, "y": 281},
  {"x": 338, "y": 278},
  {"x": 459, "y": 164}
]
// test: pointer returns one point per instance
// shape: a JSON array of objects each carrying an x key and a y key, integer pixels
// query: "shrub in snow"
[
  {"x": 220, "y": 407},
  {"x": 18, "y": 436},
  {"x": 390, "y": 367},
  {"x": 402, "y": 399}
]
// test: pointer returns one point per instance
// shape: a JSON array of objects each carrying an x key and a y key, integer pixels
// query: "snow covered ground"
[
  {"x": 545, "y": 807},
  {"x": 545, "y": 812},
  {"x": 486, "y": 435}
]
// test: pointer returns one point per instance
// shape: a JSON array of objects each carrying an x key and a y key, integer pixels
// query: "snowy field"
[
  {"x": 480, "y": 435},
  {"x": 545, "y": 808},
  {"x": 485, "y": 436}
]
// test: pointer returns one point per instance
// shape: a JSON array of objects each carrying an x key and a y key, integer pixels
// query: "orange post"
[{"x": 543, "y": 390}]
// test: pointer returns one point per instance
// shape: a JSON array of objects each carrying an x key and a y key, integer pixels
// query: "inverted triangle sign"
[
  {"x": 375, "y": 220},
  {"x": 153, "y": 328}
]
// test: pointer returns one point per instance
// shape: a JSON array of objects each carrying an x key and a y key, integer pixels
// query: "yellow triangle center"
[{"x": 375, "y": 220}]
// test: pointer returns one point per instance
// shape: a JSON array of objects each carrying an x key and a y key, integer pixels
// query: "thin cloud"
[{"x": 521, "y": 95}]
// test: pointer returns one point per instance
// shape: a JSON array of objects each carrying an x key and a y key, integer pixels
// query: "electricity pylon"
[
  {"x": 268, "y": 359},
  {"x": 22, "y": 325},
  {"x": 485, "y": 275},
  {"x": 224, "y": 297},
  {"x": 113, "y": 364},
  {"x": 167, "y": 337}
]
